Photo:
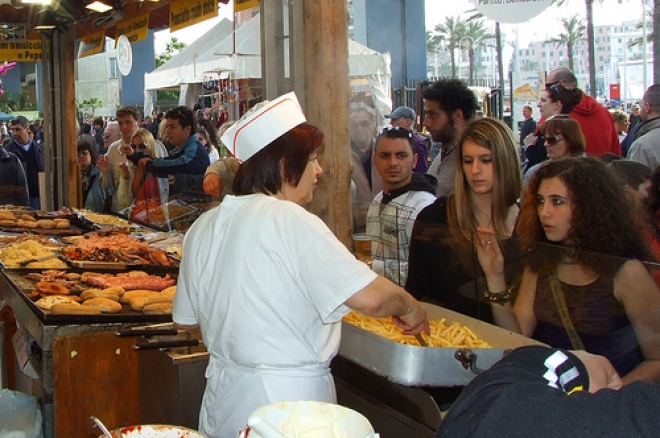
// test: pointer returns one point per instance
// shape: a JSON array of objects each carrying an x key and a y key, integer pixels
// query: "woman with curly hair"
[
  {"x": 583, "y": 286},
  {"x": 563, "y": 138},
  {"x": 442, "y": 266}
]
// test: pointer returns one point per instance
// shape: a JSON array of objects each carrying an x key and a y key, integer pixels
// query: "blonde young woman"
[{"x": 442, "y": 266}]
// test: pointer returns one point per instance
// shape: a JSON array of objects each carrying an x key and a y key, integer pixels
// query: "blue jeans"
[{"x": 35, "y": 203}]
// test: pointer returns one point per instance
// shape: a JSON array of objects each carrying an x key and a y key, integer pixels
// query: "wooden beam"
[{"x": 327, "y": 89}]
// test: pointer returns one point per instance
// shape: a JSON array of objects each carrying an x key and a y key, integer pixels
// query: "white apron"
[{"x": 233, "y": 392}]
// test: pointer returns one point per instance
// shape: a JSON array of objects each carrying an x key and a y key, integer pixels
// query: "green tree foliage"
[
  {"x": 173, "y": 47},
  {"x": 10, "y": 102},
  {"x": 573, "y": 32},
  {"x": 475, "y": 36},
  {"x": 448, "y": 34}
]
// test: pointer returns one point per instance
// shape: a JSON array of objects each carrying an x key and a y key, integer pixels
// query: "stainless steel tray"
[{"x": 410, "y": 365}]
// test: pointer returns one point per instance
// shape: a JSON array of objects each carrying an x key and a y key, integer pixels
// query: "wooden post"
[{"x": 325, "y": 37}]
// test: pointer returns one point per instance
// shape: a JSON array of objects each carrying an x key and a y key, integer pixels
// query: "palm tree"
[
  {"x": 574, "y": 33},
  {"x": 531, "y": 66},
  {"x": 477, "y": 35},
  {"x": 449, "y": 33}
]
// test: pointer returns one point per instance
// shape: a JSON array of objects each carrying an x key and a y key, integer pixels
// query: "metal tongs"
[
  {"x": 24, "y": 263},
  {"x": 421, "y": 340}
]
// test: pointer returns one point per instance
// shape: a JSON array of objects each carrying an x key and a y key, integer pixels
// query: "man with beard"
[{"x": 449, "y": 105}]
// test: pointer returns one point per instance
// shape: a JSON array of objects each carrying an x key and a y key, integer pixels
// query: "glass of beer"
[{"x": 362, "y": 243}]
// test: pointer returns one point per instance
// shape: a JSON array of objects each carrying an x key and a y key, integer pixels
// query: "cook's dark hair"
[
  {"x": 261, "y": 172},
  {"x": 184, "y": 116},
  {"x": 605, "y": 218}
]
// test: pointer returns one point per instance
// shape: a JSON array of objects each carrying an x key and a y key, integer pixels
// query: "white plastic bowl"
[
  {"x": 155, "y": 431},
  {"x": 310, "y": 419}
]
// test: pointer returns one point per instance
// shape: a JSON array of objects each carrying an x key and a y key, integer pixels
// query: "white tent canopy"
[{"x": 239, "y": 55}]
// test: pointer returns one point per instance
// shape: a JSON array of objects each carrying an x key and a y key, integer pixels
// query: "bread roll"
[
  {"x": 169, "y": 291},
  {"x": 106, "y": 305},
  {"x": 7, "y": 215},
  {"x": 114, "y": 290},
  {"x": 8, "y": 223},
  {"x": 47, "y": 302},
  {"x": 74, "y": 308},
  {"x": 97, "y": 293},
  {"x": 27, "y": 217},
  {"x": 140, "y": 302},
  {"x": 129, "y": 295},
  {"x": 158, "y": 309},
  {"x": 62, "y": 223},
  {"x": 45, "y": 223}
]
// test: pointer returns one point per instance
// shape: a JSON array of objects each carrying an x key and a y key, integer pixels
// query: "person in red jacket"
[{"x": 594, "y": 119}]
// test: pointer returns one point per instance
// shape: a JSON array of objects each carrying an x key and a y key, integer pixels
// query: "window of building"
[{"x": 113, "y": 67}]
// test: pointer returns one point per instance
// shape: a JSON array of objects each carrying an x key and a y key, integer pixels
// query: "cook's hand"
[
  {"x": 212, "y": 184},
  {"x": 489, "y": 253},
  {"x": 102, "y": 163},
  {"x": 529, "y": 140},
  {"x": 143, "y": 163},
  {"x": 601, "y": 372},
  {"x": 126, "y": 149},
  {"x": 413, "y": 322}
]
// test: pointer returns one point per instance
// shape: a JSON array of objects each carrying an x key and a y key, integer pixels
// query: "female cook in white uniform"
[{"x": 268, "y": 283}]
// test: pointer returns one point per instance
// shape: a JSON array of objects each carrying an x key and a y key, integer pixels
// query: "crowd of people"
[{"x": 551, "y": 233}]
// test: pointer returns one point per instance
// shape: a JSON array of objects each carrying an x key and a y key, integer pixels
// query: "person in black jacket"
[
  {"x": 31, "y": 155},
  {"x": 542, "y": 392},
  {"x": 13, "y": 185}
]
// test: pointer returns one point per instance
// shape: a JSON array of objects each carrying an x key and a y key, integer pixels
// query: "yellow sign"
[
  {"x": 20, "y": 51},
  {"x": 91, "y": 45},
  {"x": 135, "y": 29},
  {"x": 241, "y": 5},
  {"x": 184, "y": 13}
]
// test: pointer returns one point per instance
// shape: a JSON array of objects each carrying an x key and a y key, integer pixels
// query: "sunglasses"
[
  {"x": 139, "y": 146},
  {"x": 107, "y": 135},
  {"x": 554, "y": 139},
  {"x": 555, "y": 86},
  {"x": 396, "y": 132}
]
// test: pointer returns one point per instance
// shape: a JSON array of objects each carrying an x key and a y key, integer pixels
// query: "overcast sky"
[{"x": 607, "y": 12}]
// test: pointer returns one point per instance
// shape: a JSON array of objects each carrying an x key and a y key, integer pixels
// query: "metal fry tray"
[{"x": 410, "y": 365}]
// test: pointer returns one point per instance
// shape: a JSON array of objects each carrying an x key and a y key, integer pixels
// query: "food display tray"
[
  {"x": 23, "y": 285},
  {"x": 178, "y": 222},
  {"x": 414, "y": 366}
]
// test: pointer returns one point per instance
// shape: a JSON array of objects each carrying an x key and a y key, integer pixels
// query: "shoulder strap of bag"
[{"x": 558, "y": 295}]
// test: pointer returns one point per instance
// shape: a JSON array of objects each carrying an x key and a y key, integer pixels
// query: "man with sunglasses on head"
[
  {"x": 392, "y": 213},
  {"x": 594, "y": 119}
]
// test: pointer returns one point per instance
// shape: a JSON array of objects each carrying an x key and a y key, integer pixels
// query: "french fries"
[{"x": 455, "y": 335}]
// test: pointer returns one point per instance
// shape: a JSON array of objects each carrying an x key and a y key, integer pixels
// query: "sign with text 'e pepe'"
[
  {"x": 20, "y": 51},
  {"x": 511, "y": 11},
  {"x": 184, "y": 13},
  {"x": 135, "y": 29},
  {"x": 92, "y": 44}
]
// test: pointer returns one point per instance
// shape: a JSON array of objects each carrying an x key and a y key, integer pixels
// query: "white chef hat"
[{"x": 263, "y": 124}]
